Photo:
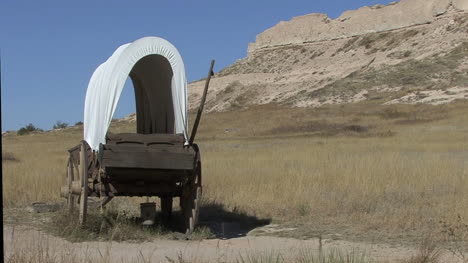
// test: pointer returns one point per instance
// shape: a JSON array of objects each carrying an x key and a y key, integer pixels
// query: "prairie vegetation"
[
  {"x": 435, "y": 72},
  {"x": 30, "y": 128},
  {"x": 60, "y": 125},
  {"x": 42, "y": 249},
  {"x": 362, "y": 170}
]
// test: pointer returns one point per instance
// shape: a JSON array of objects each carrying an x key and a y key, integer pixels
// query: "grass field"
[{"x": 362, "y": 170}]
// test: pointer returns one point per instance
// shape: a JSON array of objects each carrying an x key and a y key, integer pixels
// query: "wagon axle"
[{"x": 74, "y": 189}]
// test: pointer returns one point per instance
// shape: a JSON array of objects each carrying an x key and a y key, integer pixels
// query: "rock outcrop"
[
  {"x": 413, "y": 51},
  {"x": 379, "y": 18}
]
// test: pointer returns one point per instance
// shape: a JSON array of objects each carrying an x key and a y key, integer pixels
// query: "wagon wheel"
[
  {"x": 190, "y": 200},
  {"x": 71, "y": 200},
  {"x": 83, "y": 170}
]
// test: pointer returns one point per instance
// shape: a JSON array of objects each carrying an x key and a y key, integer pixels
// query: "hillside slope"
[{"x": 422, "y": 58}]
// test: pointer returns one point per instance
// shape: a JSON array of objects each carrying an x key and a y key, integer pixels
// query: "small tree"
[
  {"x": 60, "y": 125},
  {"x": 28, "y": 129},
  {"x": 79, "y": 123}
]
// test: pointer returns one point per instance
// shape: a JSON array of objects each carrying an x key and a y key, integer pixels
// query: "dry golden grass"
[
  {"x": 403, "y": 173},
  {"x": 373, "y": 183},
  {"x": 40, "y": 171}
]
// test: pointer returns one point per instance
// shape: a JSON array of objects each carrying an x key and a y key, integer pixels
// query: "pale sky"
[{"x": 49, "y": 49}]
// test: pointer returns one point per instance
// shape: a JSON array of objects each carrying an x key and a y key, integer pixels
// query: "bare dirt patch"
[{"x": 23, "y": 240}]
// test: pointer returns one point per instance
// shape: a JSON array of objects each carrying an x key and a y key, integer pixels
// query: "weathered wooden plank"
[
  {"x": 145, "y": 138},
  {"x": 118, "y": 189},
  {"x": 148, "y": 160},
  {"x": 131, "y": 175},
  {"x": 151, "y": 148}
]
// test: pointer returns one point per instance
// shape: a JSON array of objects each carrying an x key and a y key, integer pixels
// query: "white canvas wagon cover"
[{"x": 158, "y": 75}]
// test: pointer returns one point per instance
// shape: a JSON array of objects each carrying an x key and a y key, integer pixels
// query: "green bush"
[
  {"x": 60, "y": 125},
  {"x": 28, "y": 129},
  {"x": 22, "y": 131},
  {"x": 79, "y": 123}
]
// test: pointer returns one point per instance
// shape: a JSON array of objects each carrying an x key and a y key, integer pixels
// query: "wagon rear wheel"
[
  {"x": 83, "y": 170},
  {"x": 71, "y": 199},
  {"x": 190, "y": 201}
]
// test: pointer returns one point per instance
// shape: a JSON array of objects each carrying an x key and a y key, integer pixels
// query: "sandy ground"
[{"x": 17, "y": 238}]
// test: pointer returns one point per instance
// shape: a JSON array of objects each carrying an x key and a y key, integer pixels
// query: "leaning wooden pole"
[{"x": 202, "y": 104}]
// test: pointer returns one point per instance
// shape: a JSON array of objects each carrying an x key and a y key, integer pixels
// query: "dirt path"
[{"x": 24, "y": 238}]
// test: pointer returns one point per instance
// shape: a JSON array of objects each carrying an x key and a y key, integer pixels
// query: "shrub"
[
  {"x": 79, "y": 123},
  {"x": 400, "y": 54},
  {"x": 366, "y": 41},
  {"x": 316, "y": 54},
  {"x": 410, "y": 33},
  {"x": 8, "y": 156},
  {"x": 60, "y": 125},
  {"x": 31, "y": 128},
  {"x": 392, "y": 113},
  {"x": 22, "y": 131},
  {"x": 28, "y": 129},
  {"x": 233, "y": 86},
  {"x": 348, "y": 45}
]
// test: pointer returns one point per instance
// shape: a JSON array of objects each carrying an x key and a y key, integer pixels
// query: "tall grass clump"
[
  {"x": 111, "y": 225},
  {"x": 7, "y": 156},
  {"x": 428, "y": 252},
  {"x": 41, "y": 248},
  {"x": 331, "y": 256},
  {"x": 271, "y": 256}
]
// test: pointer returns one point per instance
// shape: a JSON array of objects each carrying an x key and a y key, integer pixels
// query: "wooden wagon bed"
[
  {"x": 139, "y": 165},
  {"x": 146, "y": 157},
  {"x": 152, "y": 162}
]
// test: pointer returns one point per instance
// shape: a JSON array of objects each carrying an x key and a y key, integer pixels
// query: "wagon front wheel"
[
  {"x": 190, "y": 208},
  {"x": 83, "y": 170},
  {"x": 191, "y": 198}
]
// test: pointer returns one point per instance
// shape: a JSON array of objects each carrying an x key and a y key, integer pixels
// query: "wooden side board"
[
  {"x": 135, "y": 175},
  {"x": 125, "y": 189},
  {"x": 117, "y": 138},
  {"x": 146, "y": 157}
]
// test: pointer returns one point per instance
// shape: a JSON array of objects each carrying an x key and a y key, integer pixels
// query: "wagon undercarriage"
[{"x": 146, "y": 166}]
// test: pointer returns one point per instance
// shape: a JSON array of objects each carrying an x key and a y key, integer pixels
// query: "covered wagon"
[{"x": 160, "y": 159}]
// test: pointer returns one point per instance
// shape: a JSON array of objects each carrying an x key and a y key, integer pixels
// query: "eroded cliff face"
[
  {"x": 413, "y": 51},
  {"x": 319, "y": 27}
]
